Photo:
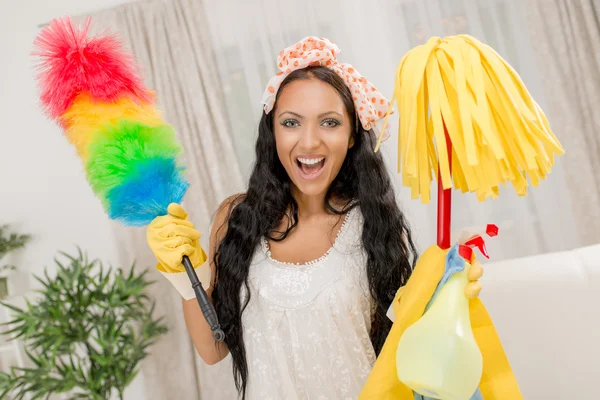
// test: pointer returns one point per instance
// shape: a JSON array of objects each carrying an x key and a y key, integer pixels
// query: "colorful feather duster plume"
[
  {"x": 497, "y": 132},
  {"x": 92, "y": 88}
]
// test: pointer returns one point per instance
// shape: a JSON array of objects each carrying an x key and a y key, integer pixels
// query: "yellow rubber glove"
[
  {"x": 172, "y": 236},
  {"x": 475, "y": 272}
]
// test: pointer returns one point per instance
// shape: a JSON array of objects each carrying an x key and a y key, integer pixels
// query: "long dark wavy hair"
[{"x": 363, "y": 181}]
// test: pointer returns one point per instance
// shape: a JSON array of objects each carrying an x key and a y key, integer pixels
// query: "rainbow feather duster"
[{"x": 92, "y": 88}]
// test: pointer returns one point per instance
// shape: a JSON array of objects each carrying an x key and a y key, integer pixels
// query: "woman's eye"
[
  {"x": 330, "y": 123},
  {"x": 290, "y": 123}
]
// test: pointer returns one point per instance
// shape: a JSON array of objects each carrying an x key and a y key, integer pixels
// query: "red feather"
[{"x": 73, "y": 63}]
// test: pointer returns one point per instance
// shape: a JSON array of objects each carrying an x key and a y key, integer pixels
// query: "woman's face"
[{"x": 313, "y": 134}]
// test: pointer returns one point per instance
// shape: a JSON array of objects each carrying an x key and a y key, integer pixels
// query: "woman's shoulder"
[
  {"x": 222, "y": 215},
  {"x": 351, "y": 231},
  {"x": 355, "y": 214},
  {"x": 229, "y": 204},
  {"x": 357, "y": 210}
]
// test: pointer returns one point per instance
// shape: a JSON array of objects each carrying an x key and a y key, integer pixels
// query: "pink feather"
[{"x": 73, "y": 63}]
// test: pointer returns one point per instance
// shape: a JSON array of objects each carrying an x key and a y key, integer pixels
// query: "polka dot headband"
[{"x": 370, "y": 105}]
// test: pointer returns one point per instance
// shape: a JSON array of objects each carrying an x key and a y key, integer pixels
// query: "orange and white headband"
[{"x": 371, "y": 106}]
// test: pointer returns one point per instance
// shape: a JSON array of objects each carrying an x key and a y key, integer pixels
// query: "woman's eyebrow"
[
  {"x": 319, "y": 116},
  {"x": 291, "y": 112},
  {"x": 330, "y": 112}
]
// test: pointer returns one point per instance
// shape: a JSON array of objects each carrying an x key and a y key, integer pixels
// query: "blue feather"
[{"x": 148, "y": 191}]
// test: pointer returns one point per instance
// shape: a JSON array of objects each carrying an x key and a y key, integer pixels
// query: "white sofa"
[{"x": 546, "y": 310}]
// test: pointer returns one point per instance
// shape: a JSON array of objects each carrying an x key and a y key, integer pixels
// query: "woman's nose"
[{"x": 310, "y": 138}]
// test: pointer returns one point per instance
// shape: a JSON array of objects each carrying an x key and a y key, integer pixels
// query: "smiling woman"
[
  {"x": 307, "y": 261},
  {"x": 323, "y": 201}
]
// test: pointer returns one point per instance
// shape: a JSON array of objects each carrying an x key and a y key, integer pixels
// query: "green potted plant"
[
  {"x": 9, "y": 241},
  {"x": 85, "y": 334}
]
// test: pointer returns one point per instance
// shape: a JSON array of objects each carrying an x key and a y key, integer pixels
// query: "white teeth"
[{"x": 311, "y": 161}]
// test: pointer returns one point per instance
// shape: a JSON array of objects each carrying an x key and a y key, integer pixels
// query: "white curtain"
[
  {"x": 567, "y": 33},
  {"x": 373, "y": 36}
]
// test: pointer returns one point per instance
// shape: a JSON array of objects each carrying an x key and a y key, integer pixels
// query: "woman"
[{"x": 306, "y": 263}]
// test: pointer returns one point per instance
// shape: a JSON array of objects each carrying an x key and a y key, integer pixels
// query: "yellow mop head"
[{"x": 497, "y": 131}]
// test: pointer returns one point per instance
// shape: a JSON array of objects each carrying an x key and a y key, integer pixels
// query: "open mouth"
[{"x": 310, "y": 167}]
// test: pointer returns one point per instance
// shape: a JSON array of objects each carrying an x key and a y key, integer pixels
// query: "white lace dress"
[{"x": 306, "y": 327}]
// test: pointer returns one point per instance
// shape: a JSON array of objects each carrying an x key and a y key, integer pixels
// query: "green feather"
[{"x": 117, "y": 151}]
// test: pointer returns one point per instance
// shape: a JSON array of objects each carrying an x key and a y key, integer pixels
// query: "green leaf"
[{"x": 10, "y": 241}]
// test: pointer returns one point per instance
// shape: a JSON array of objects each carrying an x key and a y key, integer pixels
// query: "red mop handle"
[{"x": 444, "y": 202}]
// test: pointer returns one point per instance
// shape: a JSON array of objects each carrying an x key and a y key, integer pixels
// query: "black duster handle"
[{"x": 205, "y": 305}]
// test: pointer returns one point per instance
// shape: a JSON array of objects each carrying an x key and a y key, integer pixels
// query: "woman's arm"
[{"x": 209, "y": 350}]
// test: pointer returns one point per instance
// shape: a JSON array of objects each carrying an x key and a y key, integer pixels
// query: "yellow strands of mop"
[{"x": 497, "y": 131}]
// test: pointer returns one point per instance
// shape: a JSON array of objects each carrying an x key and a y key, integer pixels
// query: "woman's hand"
[{"x": 171, "y": 237}]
